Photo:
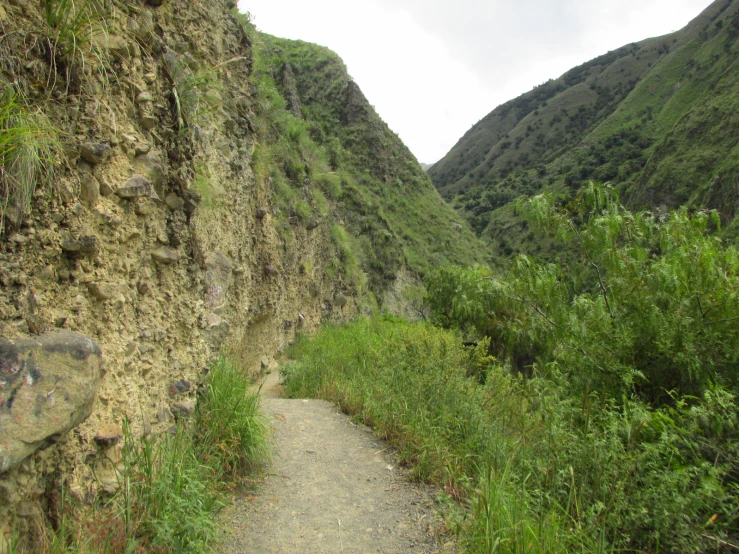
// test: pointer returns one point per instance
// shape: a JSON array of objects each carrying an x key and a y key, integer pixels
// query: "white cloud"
[{"x": 433, "y": 68}]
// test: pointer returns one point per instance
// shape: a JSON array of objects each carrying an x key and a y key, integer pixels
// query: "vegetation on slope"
[
  {"x": 322, "y": 137},
  {"x": 655, "y": 118},
  {"x": 606, "y": 421}
]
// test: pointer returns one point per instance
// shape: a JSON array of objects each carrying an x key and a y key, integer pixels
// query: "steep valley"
[
  {"x": 177, "y": 185},
  {"x": 656, "y": 119}
]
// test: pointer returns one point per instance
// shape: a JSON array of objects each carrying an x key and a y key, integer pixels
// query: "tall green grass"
[
  {"x": 533, "y": 465},
  {"x": 171, "y": 486},
  {"x": 29, "y": 152}
]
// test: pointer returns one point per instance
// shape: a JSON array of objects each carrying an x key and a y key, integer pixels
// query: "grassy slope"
[
  {"x": 384, "y": 198},
  {"x": 656, "y": 118}
]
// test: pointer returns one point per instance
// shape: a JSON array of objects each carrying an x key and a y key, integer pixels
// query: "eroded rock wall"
[{"x": 157, "y": 241}]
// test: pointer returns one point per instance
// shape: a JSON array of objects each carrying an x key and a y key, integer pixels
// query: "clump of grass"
[
  {"x": 303, "y": 210},
  {"x": 194, "y": 91},
  {"x": 320, "y": 202},
  {"x": 171, "y": 485},
  {"x": 29, "y": 151},
  {"x": 232, "y": 433},
  {"x": 74, "y": 23}
]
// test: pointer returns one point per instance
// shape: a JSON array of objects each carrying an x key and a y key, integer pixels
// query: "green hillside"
[
  {"x": 331, "y": 158},
  {"x": 656, "y": 118}
]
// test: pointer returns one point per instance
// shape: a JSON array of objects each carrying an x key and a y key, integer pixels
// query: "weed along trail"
[{"x": 331, "y": 488}]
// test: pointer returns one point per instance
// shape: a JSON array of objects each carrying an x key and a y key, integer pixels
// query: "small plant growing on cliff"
[
  {"x": 73, "y": 25},
  {"x": 29, "y": 149},
  {"x": 195, "y": 92}
]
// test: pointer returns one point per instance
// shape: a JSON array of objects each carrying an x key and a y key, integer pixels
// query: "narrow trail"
[{"x": 333, "y": 487}]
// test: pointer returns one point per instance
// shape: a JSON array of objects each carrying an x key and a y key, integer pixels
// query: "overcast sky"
[{"x": 433, "y": 68}]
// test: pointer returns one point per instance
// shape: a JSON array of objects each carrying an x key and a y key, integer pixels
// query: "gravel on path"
[{"x": 333, "y": 487}]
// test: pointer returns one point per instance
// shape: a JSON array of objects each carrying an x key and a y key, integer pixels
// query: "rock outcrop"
[{"x": 48, "y": 386}]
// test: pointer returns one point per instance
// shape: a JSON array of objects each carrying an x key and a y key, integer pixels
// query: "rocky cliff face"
[{"x": 156, "y": 240}]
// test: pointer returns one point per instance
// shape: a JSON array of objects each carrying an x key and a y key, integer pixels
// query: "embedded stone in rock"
[
  {"x": 86, "y": 245},
  {"x": 270, "y": 270},
  {"x": 192, "y": 200},
  {"x": 179, "y": 387},
  {"x": 217, "y": 273},
  {"x": 118, "y": 47},
  {"x": 142, "y": 148},
  {"x": 147, "y": 122},
  {"x": 261, "y": 213},
  {"x": 340, "y": 300},
  {"x": 137, "y": 186},
  {"x": 108, "y": 435},
  {"x": 164, "y": 415},
  {"x": 312, "y": 225},
  {"x": 145, "y": 208},
  {"x": 144, "y": 288},
  {"x": 95, "y": 153},
  {"x": 174, "y": 202},
  {"x": 47, "y": 387},
  {"x": 166, "y": 255},
  {"x": 105, "y": 188},
  {"x": 89, "y": 190},
  {"x": 183, "y": 409},
  {"x": 101, "y": 291},
  {"x": 216, "y": 331}
]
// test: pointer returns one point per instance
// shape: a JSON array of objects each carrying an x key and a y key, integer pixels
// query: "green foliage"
[
  {"x": 171, "y": 486},
  {"x": 654, "y": 118},
  {"x": 650, "y": 308},
  {"x": 29, "y": 151},
  {"x": 536, "y": 465},
  {"x": 232, "y": 434},
  {"x": 350, "y": 160},
  {"x": 320, "y": 202},
  {"x": 195, "y": 90},
  {"x": 170, "y": 498},
  {"x": 303, "y": 210}
]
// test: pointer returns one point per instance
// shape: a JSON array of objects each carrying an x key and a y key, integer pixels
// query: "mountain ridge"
[{"x": 608, "y": 120}]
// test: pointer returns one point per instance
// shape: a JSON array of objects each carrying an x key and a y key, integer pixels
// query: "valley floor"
[{"x": 333, "y": 487}]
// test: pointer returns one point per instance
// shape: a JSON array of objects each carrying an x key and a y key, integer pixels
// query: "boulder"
[{"x": 48, "y": 385}]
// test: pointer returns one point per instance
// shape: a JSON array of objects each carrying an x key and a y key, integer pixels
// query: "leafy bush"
[
  {"x": 650, "y": 307},
  {"x": 536, "y": 466}
]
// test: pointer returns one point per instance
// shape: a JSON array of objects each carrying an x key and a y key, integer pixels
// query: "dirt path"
[{"x": 332, "y": 488}]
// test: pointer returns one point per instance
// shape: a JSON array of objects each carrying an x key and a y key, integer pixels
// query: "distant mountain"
[
  {"x": 659, "y": 119},
  {"x": 426, "y": 167},
  {"x": 393, "y": 214}
]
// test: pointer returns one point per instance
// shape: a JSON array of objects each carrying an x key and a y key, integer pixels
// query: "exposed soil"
[{"x": 333, "y": 487}]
